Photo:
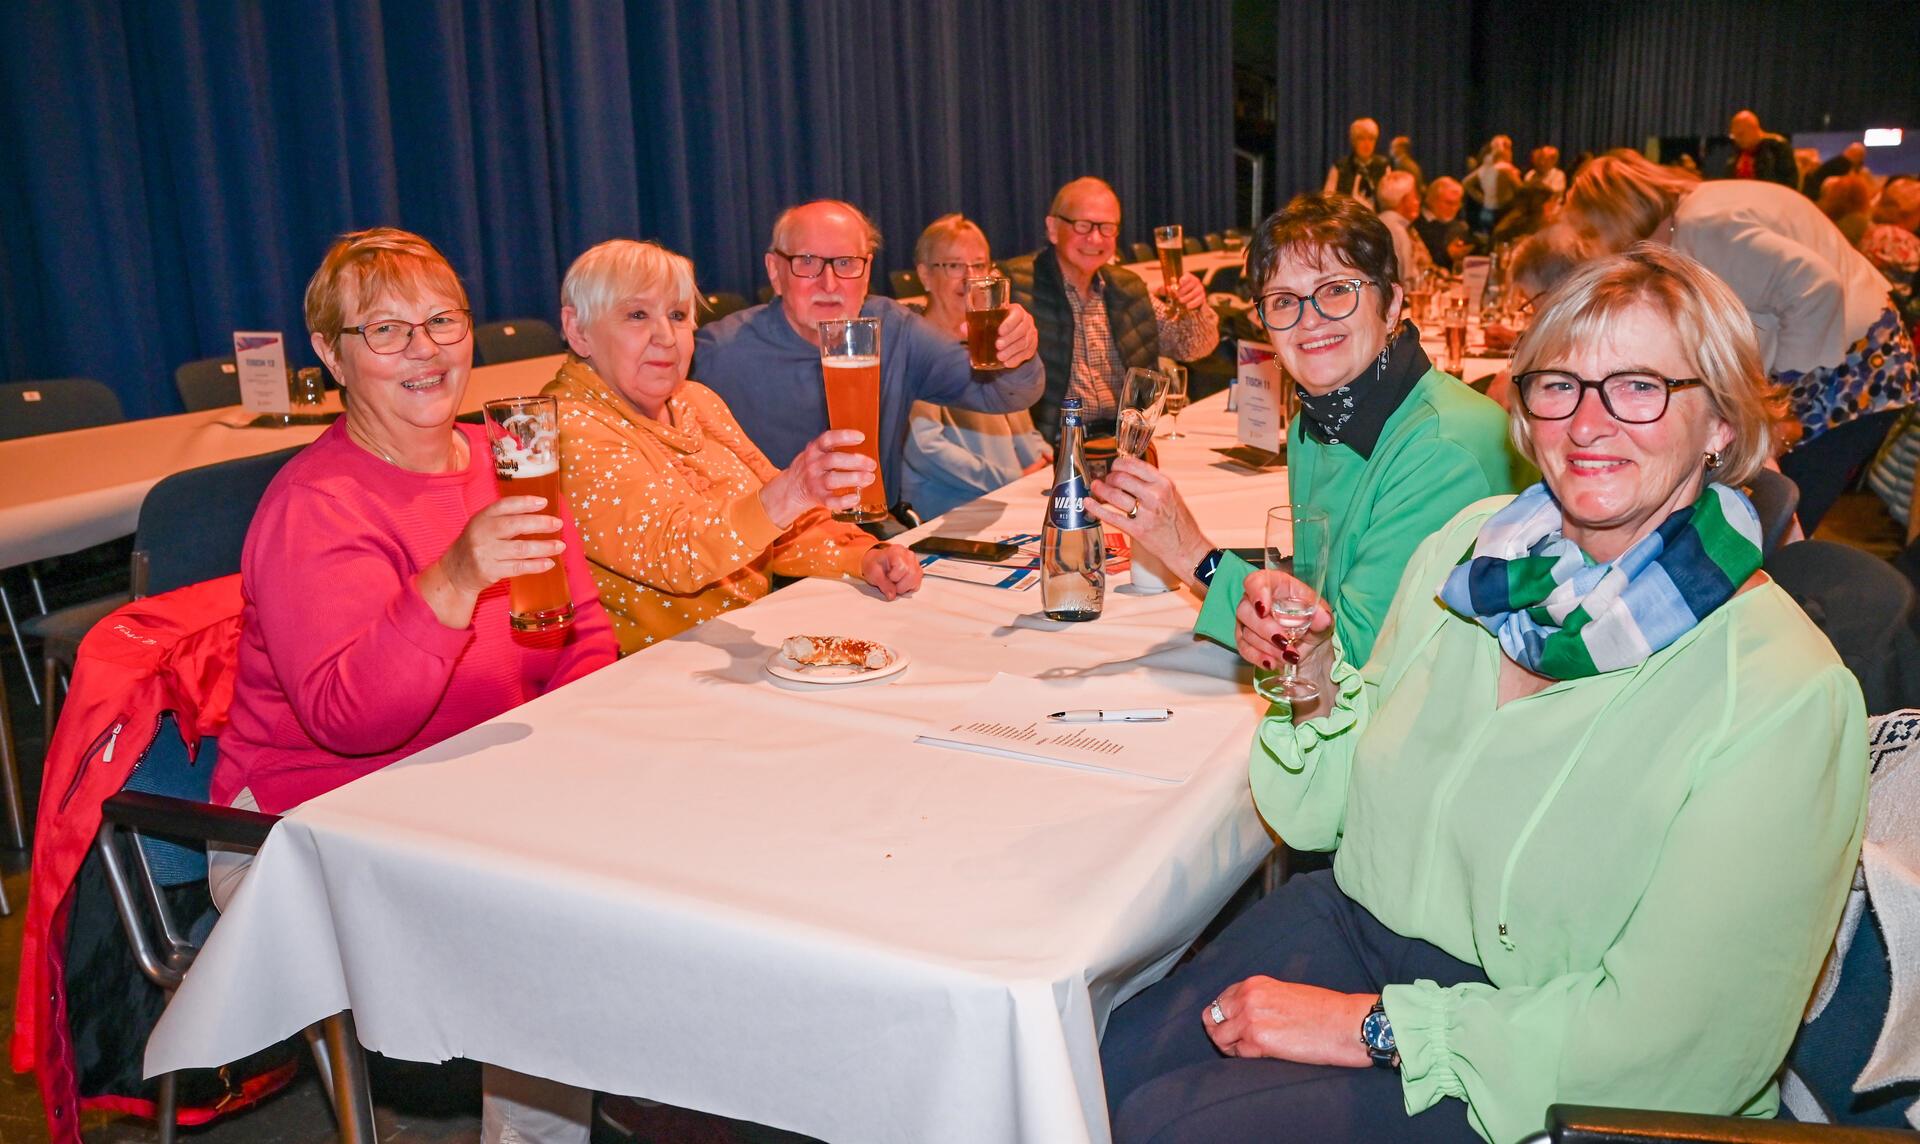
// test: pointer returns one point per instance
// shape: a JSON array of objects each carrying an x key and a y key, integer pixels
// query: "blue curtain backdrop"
[
  {"x": 174, "y": 171},
  {"x": 1581, "y": 75}
]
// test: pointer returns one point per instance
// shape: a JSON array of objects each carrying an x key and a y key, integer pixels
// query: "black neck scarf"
[{"x": 1355, "y": 414}]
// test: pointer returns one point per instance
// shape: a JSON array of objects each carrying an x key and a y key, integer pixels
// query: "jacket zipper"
[{"x": 105, "y": 738}]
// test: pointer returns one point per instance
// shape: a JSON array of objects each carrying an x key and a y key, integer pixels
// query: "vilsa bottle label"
[{"x": 1067, "y": 507}]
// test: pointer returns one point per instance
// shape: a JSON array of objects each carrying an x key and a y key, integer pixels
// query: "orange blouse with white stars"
[{"x": 669, "y": 510}]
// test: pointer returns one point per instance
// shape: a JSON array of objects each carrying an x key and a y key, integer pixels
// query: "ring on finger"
[
  {"x": 1215, "y": 1013},
  {"x": 1134, "y": 512}
]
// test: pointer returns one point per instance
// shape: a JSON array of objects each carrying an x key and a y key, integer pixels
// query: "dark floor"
[{"x": 419, "y": 1104}]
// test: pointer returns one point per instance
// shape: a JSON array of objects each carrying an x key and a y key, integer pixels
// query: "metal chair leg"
[
  {"x": 19, "y": 643},
  {"x": 10, "y": 779},
  {"x": 352, "y": 1102},
  {"x": 169, "y": 1108},
  {"x": 317, "y": 1045}
]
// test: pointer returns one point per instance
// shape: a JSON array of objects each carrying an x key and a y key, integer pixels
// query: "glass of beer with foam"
[
  {"x": 525, "y": 435},
  {"x": 1170, "y": 243},
  {"x": 850, "y": 367}
]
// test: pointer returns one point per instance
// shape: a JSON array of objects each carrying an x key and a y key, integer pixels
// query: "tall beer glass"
[
  {"x": 1170, "y": 243},
  {"x": 986, "y": 309},
  {"x": 525, "y": 434},
  {"x": 850, "y": 367}
]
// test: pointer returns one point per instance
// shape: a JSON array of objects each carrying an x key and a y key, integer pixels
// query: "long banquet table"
[
  {"x": 682, "y": 879},
  {"x": 66, "y": 491}
]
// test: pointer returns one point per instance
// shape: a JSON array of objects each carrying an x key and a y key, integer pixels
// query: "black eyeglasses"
[
  {"x": 1281, "y": 310},
  {"x": 1634, "y": 398},
  {"x": 813, "y": 265},
  {"x": 391, "y": 336},
  {"x": 1088, "y": 226}
]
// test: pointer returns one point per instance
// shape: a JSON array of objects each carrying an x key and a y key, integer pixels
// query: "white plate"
[{"x": 780, "y": 666}]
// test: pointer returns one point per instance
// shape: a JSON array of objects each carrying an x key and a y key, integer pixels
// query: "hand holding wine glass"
[{"x": 1297, "y": 545}]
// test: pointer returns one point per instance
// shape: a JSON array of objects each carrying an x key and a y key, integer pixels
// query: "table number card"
[
  {"x": 262, "y": 358},
  {"x": 1262, "y": 416},
  {"x": 1473, "y": 275}
]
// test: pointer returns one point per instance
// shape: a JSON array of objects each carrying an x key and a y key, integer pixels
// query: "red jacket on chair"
[{"x": 169, "y": 653}]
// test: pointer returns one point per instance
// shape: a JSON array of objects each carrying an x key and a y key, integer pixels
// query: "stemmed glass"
[
  {"x": 1297, "y": 544},
  {"x": 1176, "y": 397},
  {"x": 1143, "y": 397}
]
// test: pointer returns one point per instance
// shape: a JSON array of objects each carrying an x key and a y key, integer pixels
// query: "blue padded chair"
[
  {"x": 209, "y": 383},
  {"x": 30, "y": 408},
  {"x": 192, "y": 527}
]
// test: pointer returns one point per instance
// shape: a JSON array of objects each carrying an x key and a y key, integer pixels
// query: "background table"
[
  {"x": 67, "y": 491},
  {"x": 683, "y": 879}
]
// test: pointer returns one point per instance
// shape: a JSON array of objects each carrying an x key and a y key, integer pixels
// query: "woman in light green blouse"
[{"x": 1598, "y": 792}]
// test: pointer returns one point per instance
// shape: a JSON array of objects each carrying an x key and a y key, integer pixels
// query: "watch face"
[{"x": 1377, "y": 1032}]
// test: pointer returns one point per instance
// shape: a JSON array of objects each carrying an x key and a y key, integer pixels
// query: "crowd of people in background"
[{"x": 1824, "y": 253}]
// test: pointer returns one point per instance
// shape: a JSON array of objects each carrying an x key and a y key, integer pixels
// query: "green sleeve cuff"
[
  {"x": 1422, "y": 1014},
  {"x": 1295, "y": 745},
  {"x": 1222, "y": 600}
]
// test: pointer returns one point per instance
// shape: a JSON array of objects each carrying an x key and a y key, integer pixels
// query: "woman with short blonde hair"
[
  {"x": 1596, "y": 666},
  {"x": 1829, "y": 334}
]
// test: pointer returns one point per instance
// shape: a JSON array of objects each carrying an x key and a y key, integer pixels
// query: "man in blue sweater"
[{"x": 765, "y": 361}]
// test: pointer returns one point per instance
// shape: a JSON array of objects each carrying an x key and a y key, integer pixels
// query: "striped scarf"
[{"x": 1560, "y": 616}]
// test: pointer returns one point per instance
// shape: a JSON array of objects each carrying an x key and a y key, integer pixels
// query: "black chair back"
[
  {"x": 1774, "y": 497},
  {"x": 1865, "y": 607},
  {"x": 906, "y": 283},
  {"x": 1215, "y": 241},
  {"x": 514, "y": 340},
  {"x": 194, "y": 523},
  {"x": 209, "y": 383},
  {"x": 1195, "y": 246},
  {"x": 718, "y": 306},
  {"x": 1144, "y": 252},
  {"x": 30, "y": 408}
]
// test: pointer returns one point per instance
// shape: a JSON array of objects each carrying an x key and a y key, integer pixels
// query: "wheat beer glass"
[
  {"x": 986, "y": 309},
  {"x": 1170, "y": 243},
  {"x": 525, "y": 435},
  {"x": 850, "y": 367}
]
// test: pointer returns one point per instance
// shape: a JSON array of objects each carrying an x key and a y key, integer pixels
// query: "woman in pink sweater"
[{"x": 374, "y": 576}]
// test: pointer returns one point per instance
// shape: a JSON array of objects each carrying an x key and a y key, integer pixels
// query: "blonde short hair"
[
  {"x": 944, "y": 231},
  {"x": 1395, "y": 186},
  {"x": 1713, "y": 329},
  {"x": 620, "y": 268},
  {"x": 1622, "y": 195},
  {"x": 1363, "y": 129},
  {"x": 365, "y": 264}
]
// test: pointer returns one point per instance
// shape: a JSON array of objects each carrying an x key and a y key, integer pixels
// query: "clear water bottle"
[{"x": 1073, "y": 551}]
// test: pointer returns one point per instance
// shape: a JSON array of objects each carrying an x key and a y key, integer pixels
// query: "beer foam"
[{"x": 850, "y": 362}]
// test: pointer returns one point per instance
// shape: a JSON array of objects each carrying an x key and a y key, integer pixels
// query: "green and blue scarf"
[{"x": 1558, "y": 615}]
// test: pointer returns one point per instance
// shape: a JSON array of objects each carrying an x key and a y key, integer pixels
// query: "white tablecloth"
[
  {"x": 67, "y": 491},
  {"x": 682, "y": 879}
]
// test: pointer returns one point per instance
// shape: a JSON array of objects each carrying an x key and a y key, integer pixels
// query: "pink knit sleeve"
[{"x": 359, "y": 654}]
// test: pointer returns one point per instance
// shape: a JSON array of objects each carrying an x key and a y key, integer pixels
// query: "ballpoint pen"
[{"x": 1124, "y": 715}]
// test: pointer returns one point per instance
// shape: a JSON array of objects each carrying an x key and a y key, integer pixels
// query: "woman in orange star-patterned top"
[{"x": 681, "y": 516}]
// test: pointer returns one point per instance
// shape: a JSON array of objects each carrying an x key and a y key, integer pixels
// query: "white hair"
[
  {"x": 1396, "y": 186},
  {"x": 620, "y": 268}
]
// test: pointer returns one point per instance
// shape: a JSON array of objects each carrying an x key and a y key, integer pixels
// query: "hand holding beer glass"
[
  {"x": 525, "y": 436},
  {"x": 850, "y": 369},
  {"x": 987, "y": 299},
  {"x": 1170, "y": 243}
]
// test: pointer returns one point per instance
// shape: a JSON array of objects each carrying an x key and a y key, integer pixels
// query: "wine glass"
[
  {"x": 1176, "y": 397},
  {"x": 1296, "y": 544},
  {"x": 1143, "y": 397}
]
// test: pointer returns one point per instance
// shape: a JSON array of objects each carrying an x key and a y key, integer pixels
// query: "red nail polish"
[
  {"x": 1292, "y": 655},
  {"x": 1267, "y": 663},
  {"x": 1260, "y": 609}
]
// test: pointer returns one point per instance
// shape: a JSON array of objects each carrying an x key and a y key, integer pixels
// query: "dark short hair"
[{"x": 1316, "y": 226}]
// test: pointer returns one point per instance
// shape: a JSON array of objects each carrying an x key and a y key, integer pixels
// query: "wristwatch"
[
  {"x": 1209, "y": 564},
  {"x": 1376, "y": 1033}
]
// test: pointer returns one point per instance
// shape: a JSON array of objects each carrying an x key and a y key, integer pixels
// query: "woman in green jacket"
[
  {"x": 1597, "y": 794},
  {"x": 1391, "y": 447}
]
